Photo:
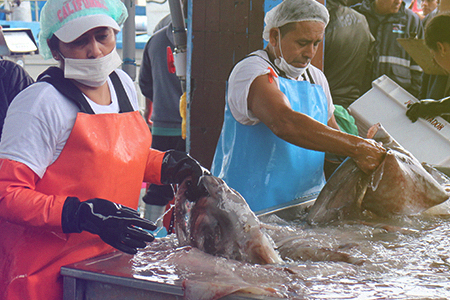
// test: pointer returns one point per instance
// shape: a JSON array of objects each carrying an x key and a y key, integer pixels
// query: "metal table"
[{"x": 111, "y": 277}]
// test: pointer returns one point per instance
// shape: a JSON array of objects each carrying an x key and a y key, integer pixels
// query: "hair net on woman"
[
  {"x": 68, "y": 20},
  {"x": 290, "y": 11}
]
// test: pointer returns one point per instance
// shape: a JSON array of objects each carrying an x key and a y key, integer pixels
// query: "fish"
[
  {"x": 207, "y": 277},
  {"x": 221, "y": 223},
  {"x": 400, "y": 185}
]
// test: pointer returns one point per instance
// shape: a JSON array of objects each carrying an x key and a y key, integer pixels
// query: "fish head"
[
  {"x": 202, "y": 223},
  {"x": 211, "y": 228},
  {"x": 221, "y": 223}
]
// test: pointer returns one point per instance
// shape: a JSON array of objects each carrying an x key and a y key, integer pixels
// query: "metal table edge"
[{"x": 123, "y": 281}]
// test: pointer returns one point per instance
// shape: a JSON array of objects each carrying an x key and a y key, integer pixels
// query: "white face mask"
[
  {"x": 290, "y": 70},
  {"x": 91, "y": 72}
]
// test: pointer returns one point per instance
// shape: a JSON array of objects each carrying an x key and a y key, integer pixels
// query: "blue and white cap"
[{"x": 69, "y": 19}]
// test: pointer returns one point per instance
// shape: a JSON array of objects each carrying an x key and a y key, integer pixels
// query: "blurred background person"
[
  {"x": 437, "y": 38},
  {"x": 162, "y": 90},
  {"x": 13, "y": 79},
  {"x": 389, "y": 20},
  {"x": 434, "y": 86},
  {"x": 347, "y": 64},
  {"x": 429, "y": 6},
  {"x": 348, "y": 53}
]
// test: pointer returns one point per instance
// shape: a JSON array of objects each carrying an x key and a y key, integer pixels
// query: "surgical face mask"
[
  {"x": 281, "y": 63},
  {"x": 91, "y": 72}
]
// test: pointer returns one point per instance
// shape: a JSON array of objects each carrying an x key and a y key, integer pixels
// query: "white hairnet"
[{"x": 290, "y": 11}]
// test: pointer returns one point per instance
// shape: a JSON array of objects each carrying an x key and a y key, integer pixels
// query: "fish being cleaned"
[
  {"x": 401, "y": 185},
  {"x": 221, "y": 223}
]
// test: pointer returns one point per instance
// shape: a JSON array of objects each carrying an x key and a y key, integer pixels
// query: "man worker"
[
  {"x": 272, "y": 144},
  {"x": 428, "y": 6},
  {"x": 389, "y": 20}
]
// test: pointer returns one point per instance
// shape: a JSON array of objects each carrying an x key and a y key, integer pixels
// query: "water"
[
  {"x": 396, "y": 258},
  {"x": 396, "y": 265}
]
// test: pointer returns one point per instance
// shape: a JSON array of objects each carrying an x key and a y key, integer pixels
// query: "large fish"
[
  {"x": 221, "y": 223},
  {"x": 401, "y": 185}
]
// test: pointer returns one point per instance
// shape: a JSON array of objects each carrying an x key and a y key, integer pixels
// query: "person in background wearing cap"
[
  {"x": 437, "y": 38},
  {"x": 272, "y": 144},
  {"x": 434, "y": 87},
  {"x": 74, "y": 154}
]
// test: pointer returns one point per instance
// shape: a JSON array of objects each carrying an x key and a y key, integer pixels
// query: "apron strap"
[
  {"x": 122, "y": 97},
  {"x": 55, "y": 76},
  {"x": 280, "y": 72},
  {"x": 277, "y": 70},
  {"x": 311, "y": 79}
]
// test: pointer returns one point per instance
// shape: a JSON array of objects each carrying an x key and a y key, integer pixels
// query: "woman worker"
[
  {"x": 437, "y": 38},
  {"x": 74, "y": 154},
  {"x": 272, "y": 144}
]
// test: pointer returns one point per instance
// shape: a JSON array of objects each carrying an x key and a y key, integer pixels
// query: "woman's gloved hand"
[
  {"x": 177, "y": 166},
  {"x": 117, "y": 225},
  {"x": 424, "y": 109}
]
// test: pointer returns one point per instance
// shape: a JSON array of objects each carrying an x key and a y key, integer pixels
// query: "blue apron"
[{"x": 266, "y": 170}]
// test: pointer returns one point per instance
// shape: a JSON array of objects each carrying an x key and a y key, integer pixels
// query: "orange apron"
[{"x": 106, "y": 156}]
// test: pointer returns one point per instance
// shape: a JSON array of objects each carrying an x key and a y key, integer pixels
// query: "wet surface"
[{"x": 396, "y": 258}]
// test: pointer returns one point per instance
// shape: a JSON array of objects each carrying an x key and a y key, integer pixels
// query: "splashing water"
[{"x": 400, "y": 258}]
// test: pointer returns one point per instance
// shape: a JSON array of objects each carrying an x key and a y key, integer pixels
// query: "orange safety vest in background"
[{"x": 106, "y": 156}]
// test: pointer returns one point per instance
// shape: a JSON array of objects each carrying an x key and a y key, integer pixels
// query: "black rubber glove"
[
  {"x": 425, "y": 109},
  {"x": 117, "y": 225},
  {"x": 177, "y": 166}
]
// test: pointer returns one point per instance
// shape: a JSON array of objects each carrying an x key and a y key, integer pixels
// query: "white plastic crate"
[{"x": 428, "y": 140}]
